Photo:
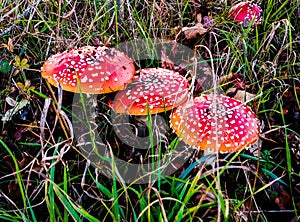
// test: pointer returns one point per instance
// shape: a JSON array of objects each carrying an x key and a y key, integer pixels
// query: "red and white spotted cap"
[
  {"x": 216, "y": 123},
  {"x": 161, "y": 89},
  {"x": 246, "y": 10},
  {"x": 99, "y": 69}
]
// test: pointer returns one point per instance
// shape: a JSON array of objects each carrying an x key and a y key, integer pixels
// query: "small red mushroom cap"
[
  {"x": 216, "y": 123},
  {"x": 246, "y": 11},
  {"x": 161, "y": 89},
  {"x": 99, "y": 69}
]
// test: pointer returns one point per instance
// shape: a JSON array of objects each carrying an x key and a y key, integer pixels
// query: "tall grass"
[{"x": 70, "y": 187}]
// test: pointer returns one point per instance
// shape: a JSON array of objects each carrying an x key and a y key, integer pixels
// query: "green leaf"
[
  {"x": 24, "y": 63},
  {"x": 4, "y": 66}
]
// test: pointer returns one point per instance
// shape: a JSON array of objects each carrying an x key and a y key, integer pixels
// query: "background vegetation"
[{"x": 43, "y": 175}]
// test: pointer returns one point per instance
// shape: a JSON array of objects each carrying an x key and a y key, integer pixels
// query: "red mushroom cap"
[
  {"x": 99, "y": 69},
  {"x": 162, "y": 89},
  {"x": 228, "y": 126},
  {"x": 246, "y": 10}
]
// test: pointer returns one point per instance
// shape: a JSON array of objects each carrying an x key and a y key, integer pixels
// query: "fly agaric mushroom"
[
  {"x": 99, "y": 69},
  {"x": 161, "y": 89},
  {"x": 216, "y": 123},
  {"x": 244, "y": 12}
]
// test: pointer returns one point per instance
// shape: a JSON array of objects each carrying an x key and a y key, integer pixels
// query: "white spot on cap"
[{"x": 84, "y": 79}]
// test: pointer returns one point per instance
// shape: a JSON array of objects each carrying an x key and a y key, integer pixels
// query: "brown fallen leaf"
[
  {"x": 241, "y": 95},
  {"x": 9, "y": 46},
  {"x": 194, "y": 31},
  {"x": 284, "y": 201}
]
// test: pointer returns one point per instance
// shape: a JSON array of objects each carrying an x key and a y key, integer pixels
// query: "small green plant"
[
  {"x": 267, "y": 158},
  {"x": 21, "y": 64},
  {"x": 4, "y": 66}
]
